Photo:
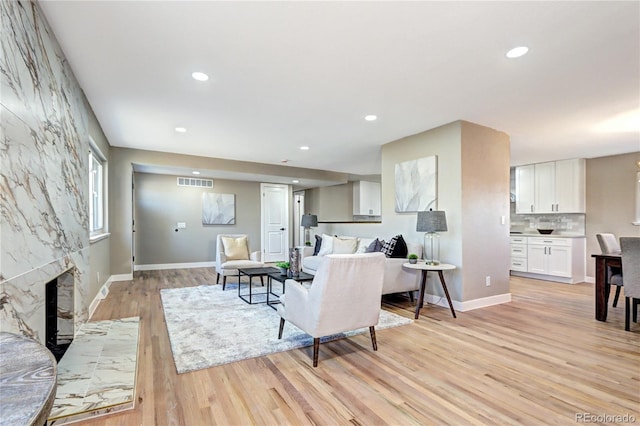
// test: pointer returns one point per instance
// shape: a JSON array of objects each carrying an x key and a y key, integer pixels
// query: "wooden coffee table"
[{"x": 302, "y": 276}]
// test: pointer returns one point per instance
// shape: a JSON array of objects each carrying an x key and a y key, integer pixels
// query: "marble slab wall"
[{"x": 43, "y": 171}]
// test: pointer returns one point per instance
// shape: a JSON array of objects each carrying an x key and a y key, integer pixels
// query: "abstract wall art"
[
  {"x": 218, "y": 209},
  {"x": 416, "y": 185}
]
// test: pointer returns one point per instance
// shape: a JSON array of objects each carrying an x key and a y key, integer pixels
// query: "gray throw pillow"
[
  {"x": 375, "y": 246},
  {"x": 316, "y": 249}
]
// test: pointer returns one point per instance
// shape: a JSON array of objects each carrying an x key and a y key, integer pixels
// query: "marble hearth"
[{"x": 97, "y": 374}]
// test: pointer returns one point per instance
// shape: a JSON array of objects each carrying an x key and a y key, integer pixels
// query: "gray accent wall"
[
  {"x": 161, "y": 204},
  {"x": 331, "y": 203},
  {"x": 611, "y": 200},
  {"x": 120, "y": 190}
]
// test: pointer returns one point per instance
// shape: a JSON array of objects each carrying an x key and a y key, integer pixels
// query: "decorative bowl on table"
[{"x": 545, "y": 231}]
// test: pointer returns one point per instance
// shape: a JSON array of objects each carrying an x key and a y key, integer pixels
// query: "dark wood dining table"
[{"x": 603, "y": 261}]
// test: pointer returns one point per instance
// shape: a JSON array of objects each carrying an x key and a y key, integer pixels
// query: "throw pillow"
[
  {"x": 316, "y": 249},
  {"x": 389, "y": 246},
  {"x": 344, "y": 245},
  {"x": 400, "y": 249},
  {"x": 375, "y": 246},
  {"x": 235, "y": 248},
  {"x": 327, "y": 245},
  {"x": 363, "y": 244}
]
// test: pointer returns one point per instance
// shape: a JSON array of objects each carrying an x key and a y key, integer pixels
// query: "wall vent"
[{"x": 198, "y": 183}]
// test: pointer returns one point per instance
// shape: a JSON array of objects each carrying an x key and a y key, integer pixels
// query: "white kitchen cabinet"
[
  {"x": 570, "y": 186},
  {"x": 549, "y": 258},
  {"x": 559, "y": 259},
  {"x": 545, "y": 187},
  {"x": 518, "y": 254},
  {"x": 366, "y": 198},
  {"x": 525, "y": 189},
  {"x": 552, "y": 187}
]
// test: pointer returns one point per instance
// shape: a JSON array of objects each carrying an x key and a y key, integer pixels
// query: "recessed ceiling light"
[
  {"x": 516, "y": 52},
  {"x": 371, "y": 117},
  {"x": 181, "y": 129},
  {"x": 200, "y": 76},
  {"x": 304, "y": 148},
  {"x": 295, "y": 181},
  {"x": 195, "y": 172}
]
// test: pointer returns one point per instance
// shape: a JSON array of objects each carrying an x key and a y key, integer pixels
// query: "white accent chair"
[
  {"x": 228, "y": 265},
  {"x": 345, "y": 295},
  {"x": 631, "y": 270},
  {"x": 609, "y": 245}
]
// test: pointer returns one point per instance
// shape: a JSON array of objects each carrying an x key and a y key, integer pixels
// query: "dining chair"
[
  {"x": 631, "y": 269},
  {"x": 609, "y": 245},
  {"x": 345, "y": 295}
]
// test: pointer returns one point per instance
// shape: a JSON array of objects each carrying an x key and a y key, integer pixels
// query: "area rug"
[{"x": 209, "y": 327}]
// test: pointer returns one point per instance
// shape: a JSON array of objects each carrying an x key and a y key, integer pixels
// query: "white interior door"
[{"x": 275, "y": 222}]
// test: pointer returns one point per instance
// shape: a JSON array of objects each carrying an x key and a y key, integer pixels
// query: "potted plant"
[
  {"x": 413, "y": 258},
  {"x": 284, "y": 267}
]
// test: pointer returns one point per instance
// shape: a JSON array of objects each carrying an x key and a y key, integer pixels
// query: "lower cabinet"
[{"x": 550, "y": 258}]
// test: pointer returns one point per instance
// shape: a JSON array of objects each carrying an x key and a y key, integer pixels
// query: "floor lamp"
[
  {"x": 308, "y": 221},
  {"x": 432, "y": 222}
]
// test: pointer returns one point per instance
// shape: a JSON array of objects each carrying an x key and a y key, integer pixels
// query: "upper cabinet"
[
  {"x": 553, "y": 187},
  {"x": 366, "y": 198},
  {"x": 525, "y": 189}
]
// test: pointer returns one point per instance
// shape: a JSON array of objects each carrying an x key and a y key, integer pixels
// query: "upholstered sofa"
[{"x": 396, "y": 278}]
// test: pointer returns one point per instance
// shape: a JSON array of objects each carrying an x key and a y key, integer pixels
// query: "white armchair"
[
  {"x": 345, "y": 295},
  {"x": 232, "y": 252}
]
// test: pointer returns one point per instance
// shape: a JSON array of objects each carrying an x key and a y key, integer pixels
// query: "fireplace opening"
[{"x": 59, "y": 314}]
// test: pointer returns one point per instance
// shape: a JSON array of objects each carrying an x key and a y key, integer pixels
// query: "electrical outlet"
[
  {"x": 182, "y": 225},
  {"x": 487, "y": 281}
]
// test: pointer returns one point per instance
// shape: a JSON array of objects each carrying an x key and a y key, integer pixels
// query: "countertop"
[
  {"x": 28, "y": 376},
  {"x": 547, "y": 235}
]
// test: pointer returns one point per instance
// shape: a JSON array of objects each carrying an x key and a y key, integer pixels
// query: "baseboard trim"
[
  {"x": 470, "y": 305},
  {"x": 590, "y": 280},
  {"x": 104, "y": 290},
  {"x": 572, "y": 280},
  {"x": 121, "y": 277},
  {"x": 174, "y": 266}
]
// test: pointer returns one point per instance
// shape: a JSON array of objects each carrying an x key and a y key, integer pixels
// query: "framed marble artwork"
[
  {"x": 416, "y": 185},
  {"x": 218, "y": 209}
]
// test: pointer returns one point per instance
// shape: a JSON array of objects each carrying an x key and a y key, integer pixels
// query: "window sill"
[{"x": 98, "y": 237}]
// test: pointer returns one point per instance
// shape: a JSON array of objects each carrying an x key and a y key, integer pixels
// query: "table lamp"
[
  {"x": 308, "y": 221},
  {"x": 432, "y": 222}
]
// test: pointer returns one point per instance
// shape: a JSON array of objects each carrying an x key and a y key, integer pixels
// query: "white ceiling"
[{"x": 286, "y": 74}]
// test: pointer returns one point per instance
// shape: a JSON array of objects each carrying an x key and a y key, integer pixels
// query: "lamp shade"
[
  {"x": 309, "y": 220},
  {"x": 432, "y": 221}
]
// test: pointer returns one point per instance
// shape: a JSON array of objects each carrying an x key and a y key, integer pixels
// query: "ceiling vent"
[{"x": 198, "y": 183}]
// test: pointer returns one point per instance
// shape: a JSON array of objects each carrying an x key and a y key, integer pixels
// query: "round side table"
[
  {"x": 28, "y": 380},
  {"x": 425, "y": 268}
]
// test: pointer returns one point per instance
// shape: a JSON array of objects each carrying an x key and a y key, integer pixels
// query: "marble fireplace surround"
[
  {"x": 44, "y": 179},
  {"x": 65, "y": 284},
  {"x": 22, "y": 298}
]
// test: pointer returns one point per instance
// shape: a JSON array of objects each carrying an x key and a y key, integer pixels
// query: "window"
[{"x": 97, "y": 196}]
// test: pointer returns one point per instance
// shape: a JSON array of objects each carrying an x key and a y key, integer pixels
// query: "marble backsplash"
[
  {"x": 43, "y": 172},
  {"x": 562, "y": 224}
]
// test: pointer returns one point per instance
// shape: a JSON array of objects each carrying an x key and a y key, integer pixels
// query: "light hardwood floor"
[{"x": 540, "y": 359}]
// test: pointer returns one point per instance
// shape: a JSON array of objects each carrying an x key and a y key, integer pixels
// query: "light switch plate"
[{"x": 182, "y": 225}]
